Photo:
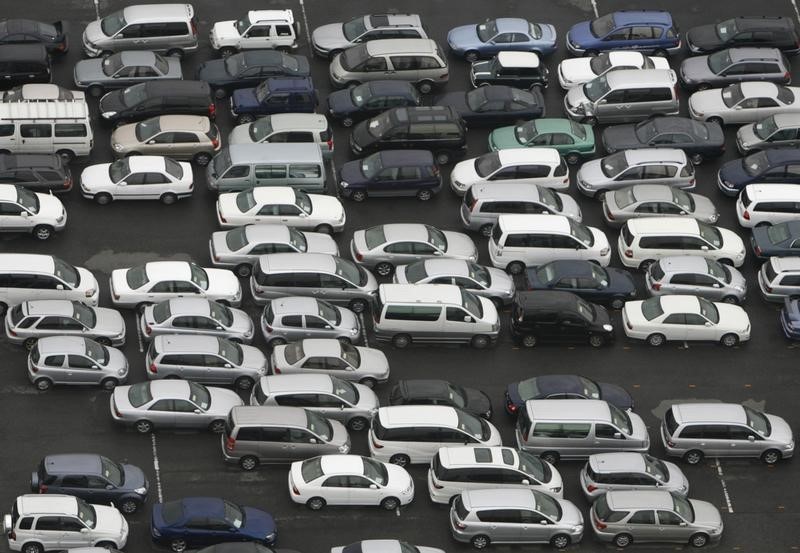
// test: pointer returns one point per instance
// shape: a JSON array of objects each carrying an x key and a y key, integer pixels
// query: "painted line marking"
[
  {"x": 397, "y": 511},
  {"x": 724, "y": 486},
  {"x": 157, "y": 467},
  {"x": 139, "y": 333},
  {"x": 594, "y": 7},
  {"x": 796, "y": 11},
  {"x": 363, "y": 322},
  {"x": 305, "y": 22}
]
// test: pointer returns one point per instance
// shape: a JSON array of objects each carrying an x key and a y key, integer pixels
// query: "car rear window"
[
  {"x": 627, "y": 237},
  {"x": 651, "y": 308},
  {"x": 604, "y": 512},
  {"x": 656, "y": 272},
  {"x": 311, "y": 469},
  {"x": 670, "y": 422},
  {"x": 136, "y": 277},
  {"x": 461, "y": 511},
  {"x": 161, "y": 312},
  {"x": 139, "y": 394},
  {"x": 172, "y": 512},
  {"x": 374, "y": 237},
  {"x": 770, "y": 271}
]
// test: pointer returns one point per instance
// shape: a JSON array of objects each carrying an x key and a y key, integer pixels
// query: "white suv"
[
  {"x": 257, "y": 29},
  {"x": 24, "y": 211},
  {"x": 49, "y": 522}
]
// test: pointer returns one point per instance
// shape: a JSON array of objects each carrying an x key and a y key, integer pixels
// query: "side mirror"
[
  {"x": 683, "y": 524},
  {"x": 751, "y": 438},
  {"x": 231, "y": 529},
  {"x": 84, "y": 530},
  {"x": 96, "y": 367},
  {"x": 219, "y": 328},
  {"x": 59, "y": 286},
  {"x": 617, "y": 436},
  {"x": 328, "y": 327},
  {"x": 704, "y": 248},
  {"x": 197, "y": 411},
  {"x": 122, "y": 183},
  {"x": 543, "y": 522},
  {"x": 717, "y": 285},
  {"x": 467, "y": 319},
  {"x": 373, "y": 486},
  {"x": 683, "y": 213},
  {"x": 526, "y": 482},
  {"x": 438, "y": 253},
  {"x": 151, "y": 141},
  {"x": 312, "y": 441},
  {"x": 109, "y": 487},
  {"x": 708, "y": 323},
  {"x": 24, "y": 214},
  {"x": 228, "y": 366},
  {"x": 303, "y": 214}
]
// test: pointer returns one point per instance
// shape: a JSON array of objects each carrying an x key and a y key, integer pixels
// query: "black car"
[
  {"x": 145, "y": 100},
  {"x": 249, "y": 68},
  {"x": 699, "y": 139},
  {"x": 37, "y": 172},
  {"x": 92, "y": 477},
  {"x": 747, "y": 30},
  {"x": 441, "y": 392},
  {"x": 588, "y": 280},
  {"x": 23, "y": 64},
  {"x": 274, "y": 95},
  {"x": 390, "y": 173},
  {"x": 53, "y": 36},
  {"x": 773, "y": 165},
  {"x": 782, "y": 239},
  {"x": 564, "y": 386},
  {"x": 520, "y": 69},
  {"x": 436, "y": 128},
  {"x": 494, "y": 104},
  {"x": 558, "y": 317},
  {"x": 369, "y": 99}
]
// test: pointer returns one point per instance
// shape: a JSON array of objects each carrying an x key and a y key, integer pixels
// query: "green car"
[{"x": 573, "y": 141}]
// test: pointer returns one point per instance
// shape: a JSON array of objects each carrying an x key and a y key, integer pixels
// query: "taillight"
[
  {"x": 512, "y": 406},
  {"x": 437, "y": 486},
  {"x": 656, "y": 286},
  {"x": 472, "y": 203},
  {"x": 267, "y": 328},
  {"x": 435, "y": 171},
  {"x": 444, "y": 77},
  {"x": 148, "y": 330},
  {"x": 756, "y": 249},
  {"x": 600, "y": 525},
  {"x": 276, "y": 370},
  {"x": 376, "y": 445},
  {"x": 215, "y": 143},
  {"x": 591, "y": 488},
  {"x": 746, "y": 215},
  {"x": 330, "y": 143},
  {"x": 12, "y": 536},
  {"x": 212, "y": 111},
  {"x": 61, "y": 47},
  {"x": 116, "y": 411},
  {"x": 68, "y": 181},
  {"x": 229, "y": 444},
  {"x": 629, "y": 325},
  {"x": 153, "y": 368},
  {"x": 628, "y": 253},
  {"x": 787, "y": 77},
  {"x": 34, "y": 369},
  {"x": 691, "y": 182},
  {"x": 42, "y": 488},
  {"x": 12, "y": 332},
  {"x": 116, "y": 296},
  {"x": 359, "y": 256},
  {"x": 769, "y": 289},
  {"x": 194, "y": 27},
  {"x": 608, "y": 213},
  {"x": 670, "y": 444},
  {"x": 460, "y": 525},
  {"x": 295, "y": 491}
]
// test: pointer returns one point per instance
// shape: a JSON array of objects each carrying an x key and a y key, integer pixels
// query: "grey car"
[
  {"x": 782, "y": 130},
  {"x": 654, "y": 200},
  {"x": 495, "y": 284},
  {"x": 626, "y": 517},
  {"x": 239, "y": 248},
  {"x": 75, "y": 360},
  {"x": 628, "y": 470},
  {"x": 691, "y": 274},
  {"x": 124, "y": 69},
  {"x": 385, "y": 246},
  {"x": 735, "y": 65},
  {"x": 293, "y": 318},
  {"x": 196, "y": 316},
  {"x": 367, "y": 366},
  {"x": 177, "y": 404},
  {"x": 185, "y": 137},
  {"x": 329, "y": 40}
]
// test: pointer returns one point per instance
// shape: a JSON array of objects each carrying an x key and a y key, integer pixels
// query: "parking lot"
[{"x": 760, "y": 504}]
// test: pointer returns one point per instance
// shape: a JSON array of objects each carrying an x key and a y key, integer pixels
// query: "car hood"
[
  {"x": 575, "y": 97},
  {"x": 222, "y": 401},
  {"x": 326, "y": 207},
  {"x": 349, "y": 319},
  {"x": 478, "y": 402},
  {"x": 460, "y": 246},
  {"x": 600, "y": 238},
  {"x": 704, "y": 208},
  {"x": 213, "y": 70},
  {"x": 134, "y": 478},
  {"x": 615, "y": 395},
  {"x": 109, "y": 521},
  {"x": 705, "y": 514},
  {"x": 570, "y": 514},
  {"x": 633, "y": 313},
  {"x": 112, "y": 102},
  {"x": 253, "y": 358},
  {"x": 318, "y": 242},
  {"x": 464, "y": 36},
  {"x": 330, "y": 37},
  {"x": 676, "y": 480},
  {"x": 464, "y": 172},
  {"x": 258, "y": 523},
  {"x": 125, "y": 134},
  {"x": 781, "y": 431},
  {"x": 638, "y": 428},
  {"x": 225, "y": 29},
  {"x": 222, "y": 282},
  {"x": 94, "y": 32},
  {"x": 457, "y": 100},
  {"x": 704, "y": 37},
  {"x": 732, "y": 317},
  {"x": 620, "y": 137},
  {"x": 49, "y": 206},
  {"x": 109, "y": 321},
  {"x": 696, "y": 68},
  {"x": 731, "y": 241},
  {"x": 733, "y": 171},
  {"x": 576, "y": 70},
  {"x": 242, "y": 323},
  {"x": 746, "y": 135},
  {"x": 620, "y": 281},
  {"x": 373, "y": 360},
  {"x": 707, "y": 101},
  {"x": 504, "y": 137},
  {"x": 500, "y": 280},
  {"x": 96, "y": 175},
  {"x": 361, "y": 135},
  {"x": 591, "y": 172},
  {"x": 581, "y": 33},
  {"x": 89, "y": 70},
  {"x": 340, "y": 103},
  {"x": 240, "y": 134},
  {"x": 603, "y": 317},
  {"x": 351, "y": 173},
  {"x": 570, "y": 207},
  {"x": 398, "y": 477},
  {"x": 367, "y": 398},
  {"x": 244, "y": 97}
]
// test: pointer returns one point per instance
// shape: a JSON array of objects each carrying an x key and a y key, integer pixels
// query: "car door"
[
  {"x": 502, "y": 525},
  {"x": 162, "y": 413},
  {"x": 11, "y": 217},
  {"x": 72, "y": 533},
  {"x": 659, "y": 173},
  {"x": 36, "y": 138},
  {"x": 54, "y": 325},
  {"x": 700, "y": 328},
  {"x": 302, "y": 444},
  {"x": 572, "y": 328},
  {"x": 218, "y": 369},
  {"x": 384, "y": 183},
  {"x": 48, "y": 531},
  {"x": 188, "y": 415},
  {"x": 257, "y": 36},
  {"x": 48, "y": 287},
  {"x": 100, "y": 490},
  {"x": 672, "y": 527},
  {"x": 398, "y": 253},
  {"x": 77, "y": 485},
  {"x": 612, "y": 106},
  {"x": 607, "y": 438},
  {"x": 534, "y": 526},
  {"x": 196, "y": 532},
  {"x": 335, "y": 489},
  {"x": 673, "y": 326},
  {"x": 459, "y": 325},
  {"x": 642, "y": 526},
  {"x": 82, "y": 370}
]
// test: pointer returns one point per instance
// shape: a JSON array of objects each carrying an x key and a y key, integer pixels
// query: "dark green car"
[{"x": 573, "y": 141}]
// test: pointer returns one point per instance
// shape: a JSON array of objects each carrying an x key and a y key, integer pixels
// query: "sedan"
[
  {"x": 685, "y": 318},
  {"x": 574, "y": 141},
  {"x": 196, "y": 316},
  {"x": 700, "y": 140},
  {"x": 366, "y": 366},
  {"x": 194, "y": 522},
  {"x": 779, "y": 240},
  {"x": 138, "y": 178},
  {"x": 744, "y": 102},
  {"x": 124, "y": 69},
  {"x": 486, "y": 39},
  {"x": 240, "y": 248},
  {"x": 349, "y": 480},
  {"x": 281, "y": 204},
  {"x": 156, "y": 281},
  {"x": 384, "y": 247},
  {"x": 588, "y": 280},
  {"x": 564, "y": 386},
  {"x": 247, "y": 69},
  {"x": 24, "y": 211},
  {"x": 172, "y": 404},
  {"x": 782, "y": 130},
  {"x": 186, "y": 137},
  {"x": 769, "y": 166},
  {"x": 492, "y": 104},
  {"x": 577, "y": 71},
  {"x": 383, "y": 546},
  {"x": 75, "y": 360},
  {"x": 489, "y": 282},
  {"x": 370, "y": 99},
  {"x": 654, "y": 200},
  {"x": 441, "y": 392}
]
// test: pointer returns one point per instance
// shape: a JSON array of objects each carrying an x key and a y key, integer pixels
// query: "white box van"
[
  {"x": 768, "y": 204},
  {"x": 46, "y": 126}
]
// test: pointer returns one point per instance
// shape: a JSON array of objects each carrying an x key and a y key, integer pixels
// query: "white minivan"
[{"x": 768, "y": 204}]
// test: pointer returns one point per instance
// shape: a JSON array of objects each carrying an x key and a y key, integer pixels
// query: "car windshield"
[
  {"x": 708, "y": 310},
  {"x": 84, "y": 314},
  {"x": 546, "y": 272},
  {"x": 764, "y": 129},
  {"x": 550, "y": 199},
  {"x": 486, "y": 30},
  {"x": 718, "y": 270},
  {"x": 147, "y": 129},
  {"x": 113, "y": 471},
  {"x": 683, "y": 507},
  {"x": 198, "y": 276},
  {"x": 726, "y": 29},
  {"x": 614, "y": 164},
  {"x": 360, "y": 94},
  {"x": 578, "y": 130},
  {"x": 415, "y": 272},
  {"x": 236, "y": 239},
  {"x": 134, "y": 95},
  {"x": 293, "y": 352},
  {"x": 581, "y": 232},
  {"x": 371, "y": 165},
  {"x": 757, "y": 421},
  {"x": 535, "y": 30},
  {"x": 683, "y": 200},
  {"x": 374, "y": 237},
  {"x": 487, "y": 164},
  {"x": 199, "y": 395},
  {"x": 96, "y": 352},
  {"x": 778, "y": 233},
  {"x": 407, "y": 547},
  {"x": 601, "y": 26},
  {"x": 243, "y": 24},
  {"x": 651, "y": 308},
  {"x": 139, "y": 394},
  {"x": 245, "y": 201},
  {"x": 436, "y": 238},
  {"x": 375, "y": 471},
  {"x": 548, "y": 506},
  {"x": 118, "y": 170},
  {"x": 585, "y": 310},
  {"x": 221, "y": 163},
  {"x": 600, "y": 64},
  {"x": 756, "y": 164},
  {"x": 476, "y": 98},
  {"x": 352, "y": 58},
  {"x": 112, "y": 24},
  {"x": 525, "y": 132},
  {"x": 220, "y": 313},
  {"x": 161, "y": 311},
  {"x": 136, "y": 277},
  {"x": 471, "y": 303},
  {"x": 456, "y": 395},
  {"x": 596, "y": 88},
  {"x": 645, "y": 131},
  {"x": 354, "y": 28},
  {"x": 311, "y": 469},
  {"x": 27, "y": 199},
  {"x": 86, "y": 513},
  {"x": 710, "y": 234},
  {"x": 732, "y": 95},
  {"x": 479, "y": 274},
  {"x": 262, "y": 91},
  {"x": 624, "y": 197},
  {"x": 348, "y": 271},
  {"x": 231, "y": 351},
  {"x": 302, "y": 201},
  {"x": 112, "y": 64},
  {"x": 173, "y": 168},
  {"x": 328, "y": 312},
  {"x": 377, "y": 126},
  {"x": 298, "y": 240},
  {"x": 719, "y": 61},
  {"x": 345, "y": 390},
  {"x": 234, "y": 515},
  {"x": 655, "y": 467},
  {"x": 350, "y": 355},
  {"x": 472, "y": 425},
  {"x": 260, "y": 129},
  {"x": 620, "y": 419},
  {"x": 319, "y": 425},
  {"x": 590, "y": 388}
]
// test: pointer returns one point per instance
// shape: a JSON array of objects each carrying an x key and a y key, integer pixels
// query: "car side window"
[
  {"x": 619, "y": 34},
  {"x": 292, "y": 321},
  {"x": 71, "y": 524},
  {"x": 669, "y": 518},
  {"x": 456, "y": 314},
  {"x": 675, "y": 319},
  {"x": 298, "y": 400},
  {"x": 405, "y": 63},
  {"x": 162, "y": 405},
  {"x": 55, "y": 360},
  {"x": 509, "y": 516},
  {"x": 374, "y": 64},
  {"x": 642, "y": 517},
  {"x": 634, "y": 173},
  {"x": 315, "y": 363},
  {"x": 48, "y": 523},
  {"x": 258, "y": 31},
  {"x": 183, "y": 406},
  {"x": 80, "y": 362},
  {"x": 8, "y": 208},
  {"x": 504, "y": 38},
  {"x": 316, "y": 322},
  {"x": 300, "y": 436},
  {"x": 643, "y": 33},
  {"x": 607, "y": 431},
  {"x": 695, "y": 319},
  {"x": 131, "y": 31},
  {"x": 198, "y": 522},
  {"x": 400, "y": 248},
  {"x": 75, "y": 481},
  {"x": 335, "y": 482}
]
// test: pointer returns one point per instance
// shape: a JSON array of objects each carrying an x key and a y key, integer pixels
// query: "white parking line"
[
  {"x": 139, "y": 332},
  {"x": 363, "y": 323},
  {"x": 594, "y": 7},
  {"x": 796, "y": 11},
  {"x": 724, "y": 486},
  {"x": 157, "y": 468},
  {"x": 305, "y": 22}
]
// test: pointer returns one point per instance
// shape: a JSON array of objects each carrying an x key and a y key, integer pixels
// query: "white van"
[
  {"x": 768, "y": 204},
  {"x": 425, "y": 313},
  {"x": 520, "y": 241},
  {"x": 540, "y": 166},
  {"x": 46, "y": 126}
]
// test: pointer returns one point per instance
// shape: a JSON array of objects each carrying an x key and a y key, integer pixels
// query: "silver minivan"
[
  {"x": 692, "y": 274},
  {"x": 262, "y": 434},
  {"x": 576, "y": 428},
  {"x": 75, "y": 360}
]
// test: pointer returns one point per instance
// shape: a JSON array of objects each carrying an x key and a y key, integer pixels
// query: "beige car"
[{"x": 186, "y": 137}]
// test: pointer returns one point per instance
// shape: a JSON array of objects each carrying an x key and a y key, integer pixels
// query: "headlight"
[
  {"x": 739, "y": 288},
  {"x": 578, "y": 528},
  {"x": 140, "y": 491},
  {"x": 108, "y": 114},
  {"x": 344, "y": 184},
  {"x": 89, "y": 293},
  {"x": 156, "y": 533},
  {"x": 790, "y": 445},
  {"x": 270, "y": 536},
  {"x": 60, "y": 218},
  {"x": 608, "y": 328},
  {"x": 117, "y": 147},
  {"x": 354, "y": 332},
  {"x": 556, "y": 489},
  {"x": 122, "y": 372},
  {"x": 632, "y": 294},
  {"x": 458, "y": 184},
  {"x": 586, "y": 185},
  {"x": 605, "y": 251},
  {"x": 344, "y": 448}
]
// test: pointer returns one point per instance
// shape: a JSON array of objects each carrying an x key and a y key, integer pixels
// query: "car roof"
[
  {"x": 558, "y": 383},
  {"x": 277, "y": 383},
  {"x": 386, "y": 87},
  {"x": 269, "y": 194},
  {"x": 423, "y": 387},
  {"x": 508, "y": 498},
  {"x": 284, "y": 121},
  {"x": 50, "y": 307},
  {"x": 144, "y": 13},
  {"x": 679, "y": 303},
  {"x": 546, "y": 300},
  {"x": 31, "y": 504},
  {"x": 762, "y": 21},
  {"x": 446, "y": 266},
  {"x": 675, "y": 123},
  {"x": 513, "y": 156},
  {"x": 418, "y": 415},
  {"x": 394, "y": 19},
  {"x": 738, "y": 54},
  {"x": 27, "y": 261},
  {"x": 618, "y": 57},
  {"x": 68, "y": 463},
  {"x": 641, "y": 78},
  {"x": 405, "y": 231},
  {"x": 527, "y": 222},
  {"x": 616, "y": 462},
  {"x": 259, "y": 414},
  {"x": 137, "y": 57},
  {"x": 683, "y": 263},
  {"x": 630, "y": 17},
  {"x": 297, "y": 261},
  {"x": 322, "y": 346},
  {"x": 518, "y": 59},
  {"x": 709, "y": 412},
  {"x": 775, "y": 191},
  {"x": 271, "y": 15},
  {"x": 650, "y": 155},
  {"x": 342, "y": 464},
  {"x": 505, "y": 190},
  {"x": 201, "y": 506},
  {"x": 652, "y": 192},
  {"x": 780, "y": 155},
  {"x": 572, "y": 267},
  {"x": 757, "y": 89},
  {"x": 146, "y": 163},
  {"x": 512, "y": 25},
  {"x": 639, "y": 499},
  {"x": 663, "y": 225},
  {"x": 61, "y": 344},
  {"x": 166, "y": 270},
  {"x": 376, "y": 546},
  {"x": 189, "y": 306},
  {"x": 11, "y": 161},
  {"x": 168, "y": 389},
  {"x": 260, "y": 57},
  {"x": 452, "y": 457},
  {"x": 787, "y": 119},
  {"x": 265, "y": 232},
  {"x": 420, "y": 293},
  {"x": 784, "y": 264},
  {"x": 293, "y": 304},
  {"x": 198, "y": 123},
  {"x": 575, "y": 409},
  {"x": 402, "y": 46},
  {"x": 176, "y": 87},
  {"x": 8, "y": 192},
  {"x": 186, "y": 343},
  {"x": 406, "y": 158},
  {"x": 282, "y": 84}
]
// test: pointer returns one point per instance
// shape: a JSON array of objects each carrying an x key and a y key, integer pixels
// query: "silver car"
[
  {"x": 239, "y": 248},
  {"x": 367, "y": 366},
  {"x": 782, "y": 130},
  {"x": 625, "y": 517},
  {"x": 293, "y": 318},
  {"x": 196, "y": 316},
  {"x": 75, "y": 360},
  {"x": 735, "y": 65},
  {"x": 627, "y": 470},
  {"x": 779, "y": 278},
  {"x": 691, "y": 274},
  {"x": 495, "y": 284},
  {"x": 124, "y": 69},
  {"x": 28, "y": 321},
  {"x": 746, "y": 102},
  {"x": 385, "y": 246},
  {"x": 172, "y": 404},
  {"x": 654, "y": 200}
]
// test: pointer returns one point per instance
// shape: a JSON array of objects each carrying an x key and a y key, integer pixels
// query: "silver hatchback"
[
  {"x": 691, "y": 274},
  {"x": 654, "y": 200},
  {"x": 294, "y": 318},
  {"x": 627, "y": 470},
  {"x": 196, "y": 316},
  {"x": 735, "y": 65},
  {"x": 75, "y": 360}
]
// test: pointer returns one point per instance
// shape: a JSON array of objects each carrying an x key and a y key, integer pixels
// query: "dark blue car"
[
  {"x": 494, "y": 104},
  {"x": 790, "y": 318},
  {"x": 782, "y": 239},
  {"x": 774, "y": 165},
  {"x": 564, "y": 386},
  {"x": 390, "y": 173},
  {"x": 649, "y": 31},
  {"x": 369, "y": 99},
  {"x": 274, "y": 95},
  {"x": 195, "y": 522},
  {"x": 588, "y": 280}
]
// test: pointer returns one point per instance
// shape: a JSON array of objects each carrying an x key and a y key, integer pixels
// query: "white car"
[
  {"x": 24, "y": 211},
  {"x": 684, "y": 318},
  {"x": 162, "y": 280},
  {"x": 257, "y": 29},
  {"x": 383, "y": 546},
  {"x": 281, "y": 204},
  {"x": 138, "y": 178},
  {"x": 576, "y": 71},
  {"x": 747, "y": 102},
  {"x": 541, "y": 166},
  {"x": 349, "y": 480}
]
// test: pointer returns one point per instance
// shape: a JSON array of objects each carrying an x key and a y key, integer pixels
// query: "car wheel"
[
  {"x": 560, "y": 541},
  {"x": 550, "y": 456},
  {"x": 390, "y": 503},
  {"x": 656, "y": 340},
  {"x": 590, "y": 53},
  {"x": 95, "y": 91},
  {"x": 284, "y": 49},
  {"x": 352, "y": 84},
  {"x": 227, "y": 52},
  {"x": 763, "y": 224},
  {"x": 109, "y": 383},
  {"x": 717, "y": 120},
  {"x": 248, "y": 462},
  {"x": 217, "y": 426},
  {"x": 617, "y": 303},
  {"x": 596, "y": 341},
  {"x": 368, "y": 382},
  {"x": 357, "y": 424},
  {"x": 486, "y": 230},
  {"x": 106, "y": 545},
  {"x": 726, "y": 261},
  {"x": 144, "y": 426},
  {"x": 325, "y": 229},
  {"x": 399, "y": 459},
  {"x": 590, "y": 120},
  {"x": 42, "y": 232},
  {"x": 133, "y": 153},
  {"x": 244, "y": 270},
  {"x": 32, "y": 548},
  {"x": 703, "y": 86},
  {"x": 529, "y": 341},
  {"x": 733, "y": 300},
  {"x": 515, "y": 268},
  {"x": 43, "y": 384},
  {"x": 600, "y": 196},
  {"x": 140, "y": 307},
  {"x": 424, "y": 195},
  {"x": 29, "y": 343},
  {"x": 498, "y": 304},
  {"x": 480, "y": 342},
  {"x": 771, "y": 456},
  {"x": 729, "y": 340},
  {"x": 103, "y": 198},
  {"x": 480, "y": 541},
  {"x": 644, "y": 265},
  {"x": 66, "y": 155},
  {"x": 169, "y": 198},
  {"x": 697, "y": 159},
  {"x": 401, "y": 341},
  {"x": 660, "y": 52},
  {"x": 572, "y": 159},
  {"x": 425, "y": 87},
  {"x": 246, "y": 118},
  {"x": 178, "y": 546},
  {"x": 220, "y": 93},
  {"x": 202, "y": 158},
  {"x": 699, "y": 540},
  {"x": 358, "y": 306},
  {"x": 333, "y": 53},
  {"x": 623, "y": 540},
  {"x": 347, "y": 122},
  {"x": 344, "y": 339},
  {"x": 384, "y": 269},
  {"x": 3, "y": 309},
  {"x": 276, "y": 342},
  {"x": 442, "y": 158},
  {"x": 693, "y": 457},
  {"x": 103, "y": 341},
  {"x": 358, "y": 196},
  {"x": 471, "y": 56},
  {"x": 129, "y": 506},
  {"x": 175, "y": 52},
  {"x": 244, "y": 383},
  {"x": 315, "y": 503}
]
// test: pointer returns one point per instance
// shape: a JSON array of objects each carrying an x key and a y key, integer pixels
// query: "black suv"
[
  {"x": 369, "y": 99},
  {"x": 145, "y": 100},
  {"x": 52, "y": 36},
  {"x": 435, "y": 128},
  {"x": 747, "y": 30},
  {"x": 94, "y": 478},
  {"x": 390, "y": 173},
  {"x": 519, "y": 69},
  {"x": 559, "y": 317},
  {"x": 22, "y": 64},
  {"x": 37, "y": 172},
  {"x": 249, "y": 68}
]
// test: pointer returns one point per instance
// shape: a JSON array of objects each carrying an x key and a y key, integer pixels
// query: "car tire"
[
  {"x": 347, "y": 122},
  {"x": 390, "y": 503},
  {"x": 717, "y": 120},
  {"x": 106, "y": 545},
  {"x": 590, "y": 120},
  {"x": 425, "y": 87},
  {"x": 733, "y": 300},
  {"x": 486, "y": 230},
  {"x": 324, "y": 229},
  {"x": 660, "y": 52},
  {"x": 358, "y": 305},
  {"x": 42, "y": 232},
  {"x": 217, "y": 426},
  {"x": 66, "y": 155},
  {"x": 529, "y": 341},
  {"x": 178, "y": 546},
  {"x": 623, "y": 540},
  {"x": 699, "y": 540},
  {"x": 696, "y": 159},
  {"x": 590, "y": 53},
  {"x": 515, "y": 268},
  {"x": 471, "y": 56},
  {"x": 243, "y": 270},
  {"x": 316, "y": 503},
  {"x": 129, "y": 506},
  {"x": 726, "y": 261},
  {"x": 220, "y": 93},
  {"x": 202, "y": 158},
  {"x": 550, "y": 456},
  {"x": 703, "y": 86},
  {"x": 560, "y": 541},
  {"x": 617, "y": 303},
  {"x": 140, "y": 307},
  {"x": 656, "y": 340},
  {"x": 693, "y": 457},
  {"x": 729, "y": 340},
  {"x": 424, "y": 195},
  {"x": 244, "y": 383},
  {"x": 600, "y": 196},
  {"x": 358, "y": 196},
  {"x": 357, "y": 424},
  {"x": 443, "y": 158},
  {"x": 763, "y": 224},
  {"x": 32, "y": 547},
  {"x": 401, "y": 341},
  {"x": 43, "y": 384},
  {"x": 248, "y": 462},
  {"x": 175, "y": 52},
  {"x": 103, "y": 198},
  {"x": 368, "y": 382},
  {"x": 572, "y": 158},
  {"x": 168, "y": 199},
  {"x": 384, "y": 269},
  {"x": 771, "y": 456},
  {"x": 109, "y": 383},
  {"x": 103, "y": 341},
  {"x": 644, "y": 265},
  {"x": 333, "y": 53},
  {"x": 246, "y": 118},
  {"x": 276, "y": 342},
  {"x": 143, "y": 426},
  {"x": 480, "y": 341},
  {"x": 29, "y": 343},
  {"x": 400, "y": 459},
  {"x": 597, "y": 341},
  {"x": 498, "y": 304},
  {"x": 95, "y": 91},
  {"x": 227, "y": 51}
]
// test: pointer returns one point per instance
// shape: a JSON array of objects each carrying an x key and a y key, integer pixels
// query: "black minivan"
[
  {"x": 22, "y": 64},
  {"x": 391, "y": 173},
  {"x": 558, "y": 317},
  {"x": 145, "y": 100}
]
